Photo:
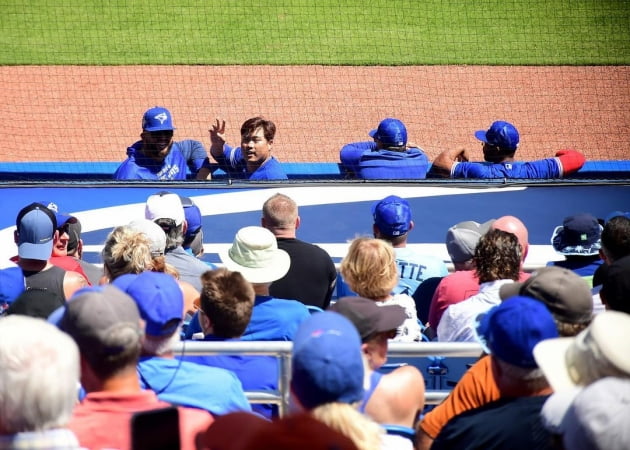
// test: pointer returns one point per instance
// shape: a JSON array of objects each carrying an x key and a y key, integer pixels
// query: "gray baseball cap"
[{"x": 462, "y": 238}]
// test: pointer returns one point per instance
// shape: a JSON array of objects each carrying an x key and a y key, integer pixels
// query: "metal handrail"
[{"x": 282, "y": 350}]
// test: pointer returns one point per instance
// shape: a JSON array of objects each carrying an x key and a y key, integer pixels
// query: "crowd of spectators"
[{"x": 100, "y": 347}]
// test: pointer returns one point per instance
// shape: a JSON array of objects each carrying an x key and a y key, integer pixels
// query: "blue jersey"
[
  {"x": 184, "y": 155},
  {"x": 543, "y": 168},
  {"x": 414, "y": 268},
  {"x": 365, "y": 161},
  {"x": 235, "y": 166}
]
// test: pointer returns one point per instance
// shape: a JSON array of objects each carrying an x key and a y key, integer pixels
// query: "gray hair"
[{"x": 40, "y": 375}]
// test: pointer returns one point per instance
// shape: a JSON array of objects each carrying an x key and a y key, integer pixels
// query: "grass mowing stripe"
[{"x": 355, "y": 32}]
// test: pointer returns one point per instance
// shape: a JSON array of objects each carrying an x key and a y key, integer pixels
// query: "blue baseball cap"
[
  {"x": 392, "y": 215},
  {"x": 511, "y": 330},
  {"x": 500, "y": 134},
  {"x": 62, "y": 219},
  {"x": 36, "y": 227},
  {"x": 327, "y": 364},
  {"x": 192, "y": 215},
  {"x": 157, "y": 119},
  {"x": 159, "y": 298},
  {"x": 391, "y": 132}
]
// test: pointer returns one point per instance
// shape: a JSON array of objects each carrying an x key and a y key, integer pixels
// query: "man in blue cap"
[
  {"x": 500, "y": 142},
  {"x": 509, "y": 332},
  {"x": 35, "y": 235},
  {"x": 160, "y": 302},
  {"x": 157, "y": 156},
  {"x": 419, "y": 273},
  {"x": 388, "y": 157}
]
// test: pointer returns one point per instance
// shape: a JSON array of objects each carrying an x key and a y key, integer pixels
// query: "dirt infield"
[{"x": 69, "y": 113}]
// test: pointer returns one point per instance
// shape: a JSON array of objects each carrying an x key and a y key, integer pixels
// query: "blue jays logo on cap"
[{"x": 157, "y": 119}]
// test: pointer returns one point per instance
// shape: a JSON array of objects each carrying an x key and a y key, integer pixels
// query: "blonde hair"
[
  {"x": 129, "y": 251},
  {"x": 126, "y": 251},
  {"x": 370, "y": 268},
  {"x": 344, "y": 418}
]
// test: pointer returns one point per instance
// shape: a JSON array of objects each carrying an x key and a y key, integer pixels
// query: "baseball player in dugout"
[
  {"x": 157, "y": 156},
  {"x": 389, "y": 156},
  {"x": 253, "y": 159},
  {"x": 500, "y": 142}
]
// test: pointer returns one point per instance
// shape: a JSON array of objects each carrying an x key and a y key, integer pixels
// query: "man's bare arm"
[{"x": 443, "y": 163}]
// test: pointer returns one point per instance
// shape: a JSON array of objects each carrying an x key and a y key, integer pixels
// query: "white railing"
[{"x": 282, "y": 350}]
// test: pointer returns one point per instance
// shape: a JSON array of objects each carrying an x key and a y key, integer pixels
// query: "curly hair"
[
  {"x": 497, "y": 256},
  {"x": 227, "y": 298},
  {"x": 126, "y": 251},
  {"x": 616, "y": 238},
  {"x": 370, "y": 268}
]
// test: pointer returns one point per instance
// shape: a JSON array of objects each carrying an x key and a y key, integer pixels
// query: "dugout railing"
[{"x": 282, "y": 351}]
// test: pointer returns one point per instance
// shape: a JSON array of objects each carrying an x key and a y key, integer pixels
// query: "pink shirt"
[{"x": 103, "y": 419}]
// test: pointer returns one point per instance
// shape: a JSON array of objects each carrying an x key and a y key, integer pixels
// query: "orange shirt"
[{"x": 476, "y": 388}]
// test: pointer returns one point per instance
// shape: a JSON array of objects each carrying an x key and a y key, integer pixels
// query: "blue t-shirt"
[
  {"x": 184, "y": 155},
  {"x": 273, "y": 319},
  {"x": 543, "y": 168},
  {"x": 194, "y": 385},
  {"x": 366, "y": 162},
  {"x": 256, "y": 373},
  {"x": 235, "y": 166}
]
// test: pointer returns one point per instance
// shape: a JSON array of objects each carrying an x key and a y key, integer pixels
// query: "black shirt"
[
  {"x": 311, "y": 277},
  {"x": 507, "y": 423}
]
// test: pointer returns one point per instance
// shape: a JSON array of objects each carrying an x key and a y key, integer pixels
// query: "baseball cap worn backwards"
[
  {"x": 500, "y": 134},
  {"x": 369, "y": 318},
  {"x": 511, "y": 330},
  {"x": 392, "y": 215},
  {"x": 157, "y": 119},
  {"x": 391, "y": 132},
  {"x": 159, "y": 299},
  {"x": 36, "y": 227},
  {"x": 463, "y": 237},
  {"x": 165, "y": 205},
  {"x": 103, "y": 321},
  {"x": 327, "y": 365},
  {"x": 566, "y": 294},
  {"x": 578, "y": 235}
]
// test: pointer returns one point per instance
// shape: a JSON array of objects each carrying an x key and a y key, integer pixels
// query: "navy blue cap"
[
  {"x": 500, "y": 134},
  {"x": 391, "y": 132}
]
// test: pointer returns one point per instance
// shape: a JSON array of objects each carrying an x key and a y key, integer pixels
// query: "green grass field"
[{"x": 336, "y": 32}]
